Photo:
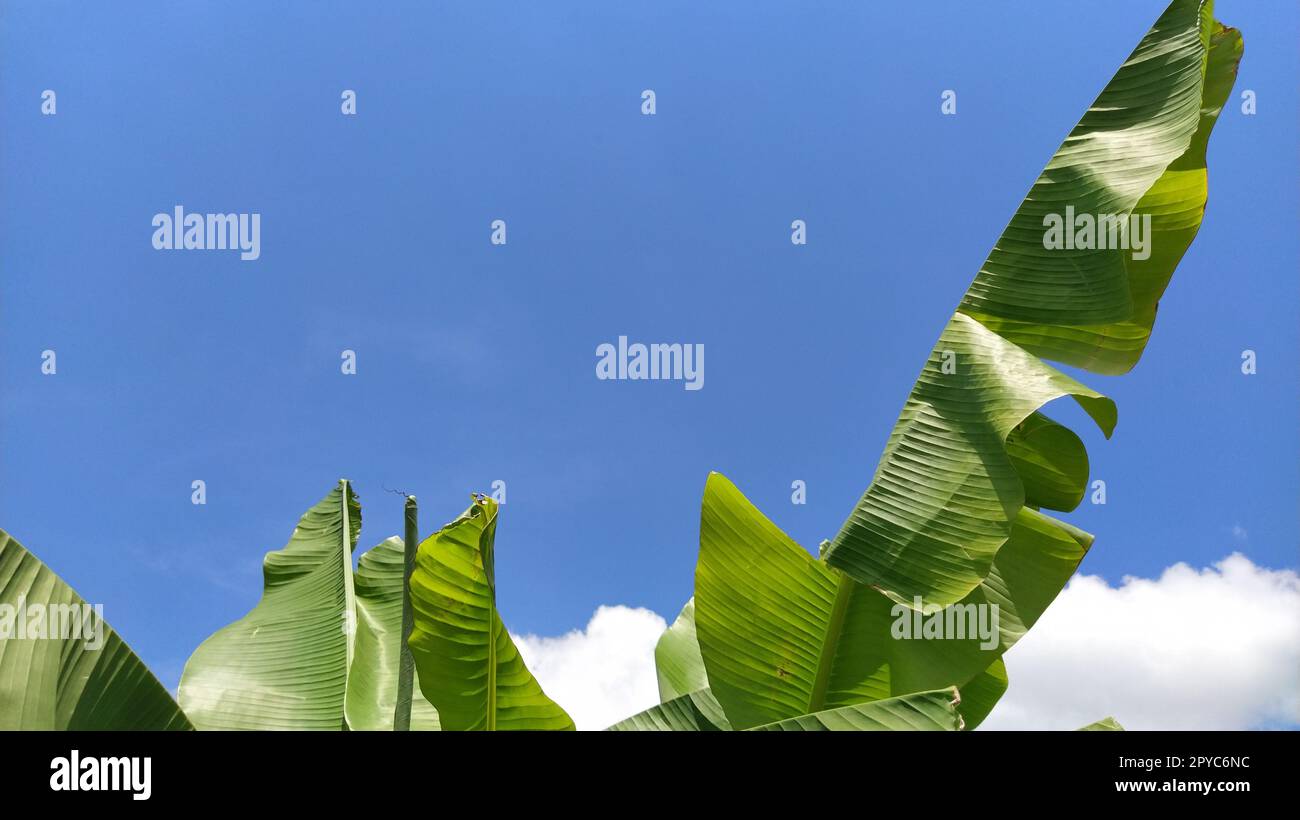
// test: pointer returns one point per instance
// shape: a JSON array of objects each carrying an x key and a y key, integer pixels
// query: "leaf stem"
[{"x": 406, "y": 661}]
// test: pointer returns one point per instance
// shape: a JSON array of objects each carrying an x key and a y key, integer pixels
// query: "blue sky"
[{"x": 476, "y": 362}]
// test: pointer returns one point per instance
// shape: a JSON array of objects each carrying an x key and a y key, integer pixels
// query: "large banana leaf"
[
  {"x": 468, "y": 666},
  {"x": 678, "y": 664},
  {"x": 918, "y": 712},
  {"x": 946, "y": 494},
  {"x": 782, "y": 634},
  {"x": 285, "y": 664},
  {"x": 61, "y": 666},
  {"x": 372, "y": 682}
]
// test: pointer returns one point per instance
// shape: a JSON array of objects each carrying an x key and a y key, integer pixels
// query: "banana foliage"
[
  {"x": 322, "y": 649},
  {"x": 952, "y": 524}
]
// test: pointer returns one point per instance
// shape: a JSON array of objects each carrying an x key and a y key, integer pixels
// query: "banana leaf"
[
  {"x": 947, "y": 493},
  {"x": 935, "y": 711},
  {"x": 285, "y": 664},
  {"x": 698, "y": 711},
  {"x": 61, "y": 666},
  {"x": 468, "y": 666},
  {"x": 678, "y": 664}
]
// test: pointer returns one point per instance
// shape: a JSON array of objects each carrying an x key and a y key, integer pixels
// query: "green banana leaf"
[
  {"x": 372, "y": 682},
  {"x": 947, "y": 494},
  {"x": 697, "y": 712},
  {"x": 468, "y": 666},
  {"x": 61, "y": 666},
  {"x": 1106, "y": 724},
  {"x": 285, "y": 664},
  {"x": 935, "y": 711},
  {"x": 678, "y": 664},
  {"x": 1175, "y": 200},
  {"x": 782, "y": 634}
]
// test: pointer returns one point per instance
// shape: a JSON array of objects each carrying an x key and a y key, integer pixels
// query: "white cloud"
[
  {"x": 1217, "y": 648},
  {"x": 604, "y": 673}
]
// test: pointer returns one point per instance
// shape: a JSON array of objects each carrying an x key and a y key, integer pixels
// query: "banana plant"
[
  {"x": 322, "y": 649},
  {"x": 325, "y": 648},
  {"x": 774, "y": 639},
  {"x": 953, "y": 516}
]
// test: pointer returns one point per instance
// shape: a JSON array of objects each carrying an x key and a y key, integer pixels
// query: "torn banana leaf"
[{"x": 946, "y": 494}]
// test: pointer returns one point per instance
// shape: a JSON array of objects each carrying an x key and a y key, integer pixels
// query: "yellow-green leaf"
[{"x": 468, "y": 666}]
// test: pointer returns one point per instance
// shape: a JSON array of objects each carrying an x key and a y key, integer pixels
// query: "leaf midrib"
[
  {"x": 488, "y": 571},
  {"x": 349, "y": 592}
]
